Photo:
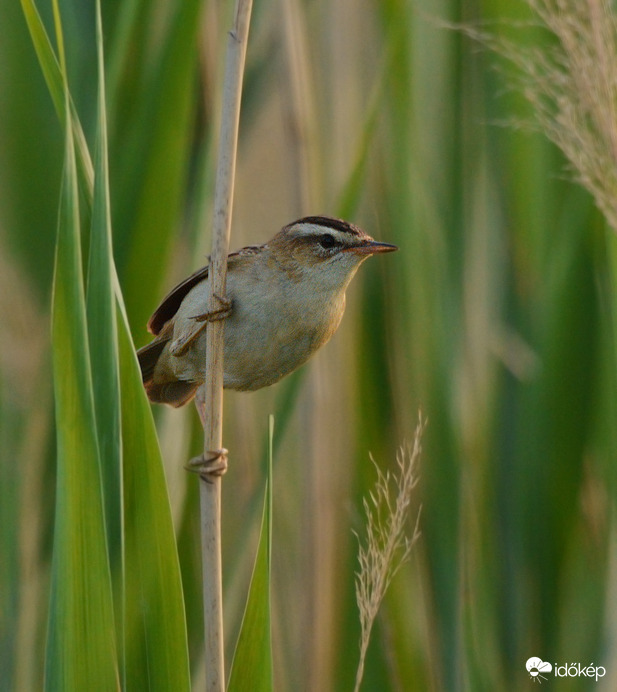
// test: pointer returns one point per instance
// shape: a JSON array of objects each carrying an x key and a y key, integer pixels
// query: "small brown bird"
[{"x": 285, "y": 299}]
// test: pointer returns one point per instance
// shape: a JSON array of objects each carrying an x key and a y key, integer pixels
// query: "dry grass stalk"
[
  {"x": 210, "y": 398},
  {"x": 387, "y": 544}
]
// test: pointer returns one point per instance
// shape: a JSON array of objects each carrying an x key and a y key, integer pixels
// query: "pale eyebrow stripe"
[{"x": 329, "y": 223}]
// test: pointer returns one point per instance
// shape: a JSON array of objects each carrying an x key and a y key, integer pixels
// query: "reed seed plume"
[
  {"x": 571, "y": 84},
  {"x": 387, "y": 544},
  {"x": 573, "y": 88}
]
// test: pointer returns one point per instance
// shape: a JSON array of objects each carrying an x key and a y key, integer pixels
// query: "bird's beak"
[{"x": 371, "y": 247}]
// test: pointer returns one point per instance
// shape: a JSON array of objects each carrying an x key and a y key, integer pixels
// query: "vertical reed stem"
[{"x": 212, "y": 391}]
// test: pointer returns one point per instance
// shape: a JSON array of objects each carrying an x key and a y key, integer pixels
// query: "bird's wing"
[{"x": 172, "y": 301}]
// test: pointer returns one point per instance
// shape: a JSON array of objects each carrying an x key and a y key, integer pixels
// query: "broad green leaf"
[
  {"x": 102, "y": 328},
  {"x": 252, "y": 663},
  {"x": 81, "y": 652},
  {"x": 156, "y": 650},
  {"x": 53, "y": 77},
  {"x": 155, "y": 653}
]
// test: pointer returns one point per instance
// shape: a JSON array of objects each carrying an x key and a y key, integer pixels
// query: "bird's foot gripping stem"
[
  {"x": 220, "y": 313},
  {"x": 209, "y": 465},
  {"x": 180, "y": 345}
]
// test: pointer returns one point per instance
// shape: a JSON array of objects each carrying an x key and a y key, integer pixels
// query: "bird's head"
[{"x": 324, "y": 249}]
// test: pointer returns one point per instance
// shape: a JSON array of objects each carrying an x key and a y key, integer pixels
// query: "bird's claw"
[
  {"x": 218, "y": 314},
  {"x": 181, "y": 344},
  {"x": 210, "y": 466}
]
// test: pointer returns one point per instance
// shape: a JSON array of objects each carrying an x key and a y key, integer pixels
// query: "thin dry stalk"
[
  {"x": 387, "y": 544},
  {"x": 211, "y": 395}
]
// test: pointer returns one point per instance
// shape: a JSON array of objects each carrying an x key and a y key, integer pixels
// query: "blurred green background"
[{"x": 496, "y": 319}]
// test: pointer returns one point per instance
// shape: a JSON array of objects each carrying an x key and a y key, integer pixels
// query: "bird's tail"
[
  {"x": 148, "y": 357},
  {"x": 174, "y": 392}
]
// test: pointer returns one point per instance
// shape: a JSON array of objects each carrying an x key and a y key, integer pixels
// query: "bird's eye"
[{"x": 326, "y": 241}]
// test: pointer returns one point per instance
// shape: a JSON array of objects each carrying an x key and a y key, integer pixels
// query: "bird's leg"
[
  {"x": 180, "y": 346},
  {"x": 217, "y": 314},
  {"x": 211, "y": 463},
  {"x": 200, "y": 405}
]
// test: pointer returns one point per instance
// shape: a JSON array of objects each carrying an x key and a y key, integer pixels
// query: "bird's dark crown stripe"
[{"x": 328, "y": 222}]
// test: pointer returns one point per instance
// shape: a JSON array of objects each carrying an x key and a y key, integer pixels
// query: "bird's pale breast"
[{"x": 270, "y": 332}]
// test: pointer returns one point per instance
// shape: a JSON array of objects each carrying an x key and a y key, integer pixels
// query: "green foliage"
[
  {"x": 496, "y": 318},
  {"x": 81, "y": 642},
  {"x": 252, "y": 662},
  {"x": 156, "y": 100},
  {"x": 156, "y": 652},
  {"x": 111, "y": 492}
]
